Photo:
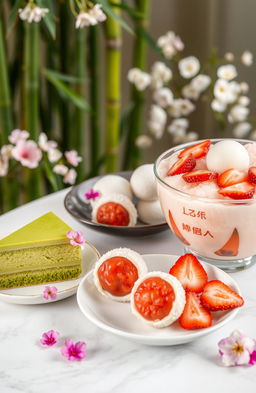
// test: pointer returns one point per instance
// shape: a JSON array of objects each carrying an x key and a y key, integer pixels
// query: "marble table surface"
[{"x": 113, "y": 365}]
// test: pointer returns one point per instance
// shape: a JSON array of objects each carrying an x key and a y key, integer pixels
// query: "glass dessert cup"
[{"x": 218, "y": 231}]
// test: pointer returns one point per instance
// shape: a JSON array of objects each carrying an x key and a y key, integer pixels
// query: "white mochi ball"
[
  {"x": 227, "y": 154},
  {"x": 150, "y": 212},
  {"x": 113, "y": 184},
  {"x": 143, "y": 183}
]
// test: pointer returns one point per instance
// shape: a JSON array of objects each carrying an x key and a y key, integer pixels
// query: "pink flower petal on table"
[
  {"x": 50, "y": 293},
  {"x": 49, "y": 338},
  {"x": 252, "y": 360},
  {"x": 236, "y": 349},
  {"x": 74, "y": 351}
]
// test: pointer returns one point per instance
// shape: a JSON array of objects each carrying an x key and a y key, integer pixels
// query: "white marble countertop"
[{"x": 113, "y": 365}]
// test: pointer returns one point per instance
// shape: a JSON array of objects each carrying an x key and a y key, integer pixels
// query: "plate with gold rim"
[{"x": 34, "y": 294}]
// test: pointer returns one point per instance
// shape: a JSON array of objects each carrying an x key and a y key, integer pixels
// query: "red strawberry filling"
[
  {"x": 230, "y": 177},
  {"x": 183, "y": 165},
  {"x": 199, "y": 150},
  {"x": 117, "y": 276},
  {"x": 199, "y": 176},
  {"x": 154, "y": 298},
  {"x": 112, "y": 213},
  {"x": 194, "y": 315}
]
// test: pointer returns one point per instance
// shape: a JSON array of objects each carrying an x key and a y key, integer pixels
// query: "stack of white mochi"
[{"x": 138, "y": 197}]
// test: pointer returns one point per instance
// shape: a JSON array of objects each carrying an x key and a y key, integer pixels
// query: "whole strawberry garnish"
[
  {"x": 252, "y": 174},
  {"x": 194, "y": 315},
  {"x": 183, "y": 165},
  {"x": 218, "y": 296},
  {"x": 189, "y": 271},
  {"x": 199, "y": 176},
  {"x": 199, "y": 150},
  {"x": 244, "y": 190},
  {"x": 230, "y": 177}
]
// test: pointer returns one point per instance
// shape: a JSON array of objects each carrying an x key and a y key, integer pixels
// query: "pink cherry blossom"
[
  {"x": 18, "y": 135},
  {"x": 50, "y": 338},
  {"x": 54, "y": 155},
  {"x": 60, "y": 169},
  {"x": 27, "y": 153},
  {"x": 50, "y": 293},
  {"x": 76, "y": 238},
  {"x": 74, "y": 351},
  {"x": 72, "y": 157},
  {"x": 91, "y": 194},
  {"x": 236, "y": 349},
  {"x": 70, "y": 177},
  {"x": 44, "y": 143}
]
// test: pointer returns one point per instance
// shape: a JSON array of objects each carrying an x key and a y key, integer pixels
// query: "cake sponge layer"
[
  {"x": 39, "y": 257},
  {"x": 39, "y": 277}
]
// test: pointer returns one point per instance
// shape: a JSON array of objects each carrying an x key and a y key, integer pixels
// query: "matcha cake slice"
[{"x": 38, "y": 253}]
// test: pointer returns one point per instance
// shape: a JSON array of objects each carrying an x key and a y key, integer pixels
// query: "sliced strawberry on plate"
[
  {"x": 183, "y": 165},
  {"x": 244, "y": 190},
  {"x": 199, "y": 150},
  {"x": 199, "y": 176},
  {"x": 194, "y": 315},
  {"x": 189, "y": 271},
  {"x": 219, "y": 296},
  {"x": 252, "y": 174},
  {"x": 232, "y": 176}
]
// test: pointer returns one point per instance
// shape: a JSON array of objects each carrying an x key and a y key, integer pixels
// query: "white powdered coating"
[
  {"x": 121, "y": 200},
  {"x": 150, "y": 212},
  {"x": 133, "y": 257},
  {"x": 113, "y": 184},
  {"x": 143, "y": 183},
  {"x": 178, "y": 304}
]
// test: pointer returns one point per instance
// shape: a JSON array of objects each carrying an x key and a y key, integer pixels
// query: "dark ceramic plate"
[{"x": 76, "y": 205}]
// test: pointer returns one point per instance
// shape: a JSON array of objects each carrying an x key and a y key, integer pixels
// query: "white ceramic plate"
[
  {"x": 117, "y": 318},
  {"x": 34, "y": 293}
]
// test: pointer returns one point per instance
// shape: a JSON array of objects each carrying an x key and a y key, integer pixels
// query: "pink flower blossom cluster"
[
  {"x": 237, "y": 350},
  {"x": 29, "y": 154},
  {"x": 72, "y": 351}
]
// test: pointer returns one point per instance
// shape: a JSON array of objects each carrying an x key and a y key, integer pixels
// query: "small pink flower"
[
  {"x": 54, "y": 154},
  {"x": 70, "y": 177},
  {"x": 17, "y": 136},
  {"x": 44, "y": 143},
  {"x": 72, "y": 157},
  {"x": 74, "y": 351},
  {"x": 76, "y": 238},
  {"x": 236, "y": 349},
  {"x": 252, "y": 360},
  {"x": 91, "y": 194},
  {"x": 49, "y": 338},
  {"x": 60, "y": 169},
  {"x": 50, "y": 293},
  {"x": 27, "y": 153}
]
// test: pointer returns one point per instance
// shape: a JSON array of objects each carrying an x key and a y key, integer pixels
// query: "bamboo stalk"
[
  {"x": 31, "y": 98},
  {"x": 113, "y": 91},
  {"x": 94, "y": 66},
  {"x": 137, "y": 97}
]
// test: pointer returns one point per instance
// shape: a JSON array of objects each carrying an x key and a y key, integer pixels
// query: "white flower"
[
  {"x": 229, "y": 56},
  {"x": 247, "y": 58},
  {"x": 156, "y": 129},
  {"x": 201, "y": 82},
  {"x": 189, "y": 67},
  {"x": 235, "y": 90},
  {"x": 60, "y": 169},
  {"x": 227, "y": 72},
  {"x": 177, "y": 125},
  {"x": 225, "y": 91},
  {"x": 157, "y": 115},
  {"x": 97, "y": 13},
  {"x": 6, "y": 150},
  {"x": 70, "y": 177},
  {"x": 191, "y": 136},
  {"x": 181, "y": 107},
  {"x": 170, "y": 44},
  {"x": 179, "y": 137},
  {"x": 238, "y": 113},
  {"x": 241, "y": 129},
  {"x": 140, "y": 79},
  {"x": 243, "y": 100},
  {"x": 32, "y": 13},
  {"x": 218, "y": 106},
  {"x": 244, "y": 87},
  {"x": 54, "y": 155},
  {"x": 143, "y": 141},
  {"x": 18, "y": 135},
  {"x": 44, "y": 143},
  {"x": 190, "y": 92},
  {"x": 4, "y": 165},
  {"x": 160, "y": 74},
  {"x": 84, "y": 19},
  {"x": 163, "y": 97}
]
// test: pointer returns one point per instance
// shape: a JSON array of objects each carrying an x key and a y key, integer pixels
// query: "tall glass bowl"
[{"x": 218, "y": 231}]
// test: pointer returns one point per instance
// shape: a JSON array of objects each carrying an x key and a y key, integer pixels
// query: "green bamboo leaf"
[
  {"x": 65, "y": 91},
  {"x": 149, "y": 39},
  {"x": 109, "y": 11},
  {"x": 65, "y": 77},
  {"x": 131, "y": 11},
  {"x": 49, "y": 17},
  {"x": 13, "y": 14},
  {"x": 125, "y": 120}
]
